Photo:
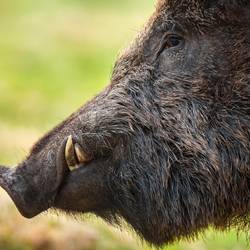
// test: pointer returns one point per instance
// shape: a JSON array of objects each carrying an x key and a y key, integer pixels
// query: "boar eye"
[
  {"x": 170, "y": 41},
  {"x": 173, "y": 40}
]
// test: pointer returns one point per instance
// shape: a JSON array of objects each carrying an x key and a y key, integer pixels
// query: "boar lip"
[
  {"x": 61, "y": 163},
  {"x": 70, "y": 155}
]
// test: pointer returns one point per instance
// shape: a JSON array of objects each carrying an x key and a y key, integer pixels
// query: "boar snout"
[
  {"x": 19, "y": 190},
  {"x": 26, "y": 185}
]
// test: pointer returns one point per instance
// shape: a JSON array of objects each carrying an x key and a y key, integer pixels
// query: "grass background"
[{"x": 54, "y": 56}]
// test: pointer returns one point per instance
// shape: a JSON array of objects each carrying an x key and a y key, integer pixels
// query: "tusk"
[
  {"x": 70, "y": 152},
  {"x": 82, "y": 157}
]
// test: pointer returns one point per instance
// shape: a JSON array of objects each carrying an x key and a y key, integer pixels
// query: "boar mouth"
[
  {"x": 70, "y": 182},
  {"x": 84, "y": 188}
]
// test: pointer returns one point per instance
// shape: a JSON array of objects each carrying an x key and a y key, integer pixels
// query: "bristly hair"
[
  {"x": 226, "y": 10},
  {"x": 228, "y": 4}
]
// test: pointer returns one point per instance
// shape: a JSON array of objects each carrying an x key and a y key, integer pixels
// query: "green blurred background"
[{"x": 55, "y": 55}]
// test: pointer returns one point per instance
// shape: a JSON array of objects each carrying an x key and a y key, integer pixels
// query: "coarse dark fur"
[{"x": 170, "y": 136}]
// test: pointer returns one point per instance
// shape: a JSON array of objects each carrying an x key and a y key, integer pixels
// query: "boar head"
[{"x": 166, "y": 146}]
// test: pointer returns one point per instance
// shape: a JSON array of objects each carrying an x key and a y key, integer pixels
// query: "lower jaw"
[{"x": 84, "y": 189}]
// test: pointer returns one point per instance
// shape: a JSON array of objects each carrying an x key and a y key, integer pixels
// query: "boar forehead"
[
  {"x": 218, "y": 21},
  {"x": 205, "y": 9}
]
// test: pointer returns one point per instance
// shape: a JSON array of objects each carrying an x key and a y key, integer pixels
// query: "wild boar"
[{"x": 166, "y": 146}]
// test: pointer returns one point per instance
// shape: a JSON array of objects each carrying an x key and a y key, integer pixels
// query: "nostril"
[{"x": 7, "y": 177}]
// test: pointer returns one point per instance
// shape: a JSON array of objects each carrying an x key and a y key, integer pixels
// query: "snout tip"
[
  {"x": 7, "y": 182},
  {"x": 3, "y": 171}
]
